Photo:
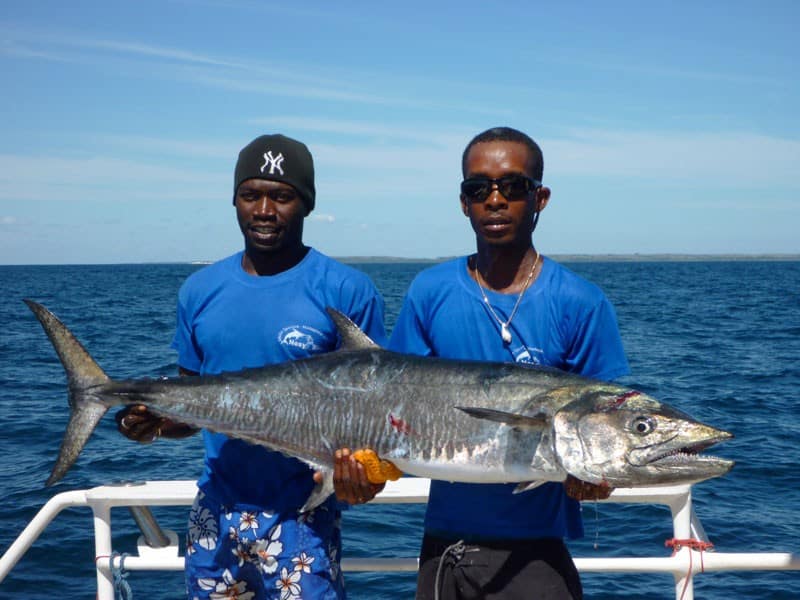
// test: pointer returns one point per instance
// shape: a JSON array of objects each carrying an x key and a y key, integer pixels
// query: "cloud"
[
  {"x": 202, "y": 67},
  {"x": 289, "y": 87},
  {"x": 322, "y": 218},
  {"x": 20, "y": 50},
  {"x": 149, "y": 50},
  {"x": 653, "y": 69},
  {"x": 307, "y": 80},
  {"x": 728, "y": 158},
  {"x": 174, "y": 148},
  {"x": 8, "y": 221},
  {"x": 72, "y": 179},
  {"x": 92, "y": 169},
  {"x": 424, "y": 135},
  {"x": 33, "y": 43}
]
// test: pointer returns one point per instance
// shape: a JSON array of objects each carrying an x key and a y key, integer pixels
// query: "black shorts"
[{"x": 539, "y": 569}]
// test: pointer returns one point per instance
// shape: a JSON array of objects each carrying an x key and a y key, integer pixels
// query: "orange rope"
[{"x": 692, "y": 544}]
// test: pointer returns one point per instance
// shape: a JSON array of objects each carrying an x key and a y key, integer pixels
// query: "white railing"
[{"x": 686, "y": 561}]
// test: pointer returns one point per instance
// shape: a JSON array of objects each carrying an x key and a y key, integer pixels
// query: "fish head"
[{"x": 625, "y": 438}]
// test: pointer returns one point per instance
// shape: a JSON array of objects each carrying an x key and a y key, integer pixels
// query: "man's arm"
[{"x": 599, "y": 354}]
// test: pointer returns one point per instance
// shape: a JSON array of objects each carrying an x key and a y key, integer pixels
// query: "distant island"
[
  {"x": 563, "y": 258},
  {"x": 595, "y": 258}
]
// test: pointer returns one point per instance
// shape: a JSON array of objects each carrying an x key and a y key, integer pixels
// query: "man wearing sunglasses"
[{"x": 506, "y": 302}]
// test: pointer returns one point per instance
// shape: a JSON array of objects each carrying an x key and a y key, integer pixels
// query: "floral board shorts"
[{"x": 258, "y": 555}]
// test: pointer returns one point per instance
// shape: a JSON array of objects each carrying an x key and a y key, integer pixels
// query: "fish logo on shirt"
[
  {"x": 301, "y": 337},
  {"x": 528, "y": 356}
]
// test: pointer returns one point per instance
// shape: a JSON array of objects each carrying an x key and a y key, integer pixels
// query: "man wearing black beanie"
[
  {"x": 278, "y": 158},
  {"x": 265, "y": 305}
]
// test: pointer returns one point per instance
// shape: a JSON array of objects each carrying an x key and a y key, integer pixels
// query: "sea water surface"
[{"x": 720, "y": 340}]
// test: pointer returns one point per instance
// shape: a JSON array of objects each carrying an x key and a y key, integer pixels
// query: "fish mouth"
[{"x": 681, "y": 456}]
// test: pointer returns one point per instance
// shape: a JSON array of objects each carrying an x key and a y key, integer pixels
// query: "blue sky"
[{"x": 665, "y": 126}]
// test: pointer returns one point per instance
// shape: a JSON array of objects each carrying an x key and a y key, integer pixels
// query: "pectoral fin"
[
  {"x": 527, "y": 486},
  {"x": 510, "y": 419},
  {"x": 321, "y": 491}
]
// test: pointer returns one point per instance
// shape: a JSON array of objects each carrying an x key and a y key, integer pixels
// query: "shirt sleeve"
[
  {"x": 408, "y": 335},
  {"x": 189, "y": 354},
  {"x": 370, "y": 319},
  {"x": 597, "y": 349}
]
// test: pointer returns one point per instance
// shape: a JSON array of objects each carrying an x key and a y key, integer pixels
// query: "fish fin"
[
  {"x": 321, "y": 491},
  {"x": 352, "y": 337},
  {"x": 83, "y": 373},
  {"x": 500, "y": 416},
  {"x": 82, "y": 422},
  {"x": 526, "y": 486}
]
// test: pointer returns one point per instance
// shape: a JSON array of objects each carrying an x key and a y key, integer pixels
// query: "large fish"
[{"x": 443, "y": 419}]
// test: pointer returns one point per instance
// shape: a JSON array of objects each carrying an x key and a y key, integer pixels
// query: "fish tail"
[{"x": 83, "y": 374}]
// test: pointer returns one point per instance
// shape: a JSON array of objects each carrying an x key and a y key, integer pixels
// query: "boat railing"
[{"x": 158, "y": 550}]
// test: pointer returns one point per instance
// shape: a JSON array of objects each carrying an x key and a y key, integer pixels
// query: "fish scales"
[{"x": 281, "y": 406}]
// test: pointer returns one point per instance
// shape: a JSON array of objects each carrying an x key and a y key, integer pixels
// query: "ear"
[
  {"x": 464, "y": 205},
  {"x": 542, "y": 198}
]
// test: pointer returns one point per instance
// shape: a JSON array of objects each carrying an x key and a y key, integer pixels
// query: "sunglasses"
[{"x": 512, "y": 187}]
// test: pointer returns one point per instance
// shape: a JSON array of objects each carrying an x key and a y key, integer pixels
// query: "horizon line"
[{"x": 560, "y": 257}]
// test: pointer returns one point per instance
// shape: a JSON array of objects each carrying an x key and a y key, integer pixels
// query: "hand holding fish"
[
  {"x": 137, "y": 423},
  {"x": 350, "y": 480}
]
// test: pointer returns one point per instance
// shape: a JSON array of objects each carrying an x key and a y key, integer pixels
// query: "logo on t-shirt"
[
  {"x": 301, "y": 339},
  {"x": 530, "y": 356}
]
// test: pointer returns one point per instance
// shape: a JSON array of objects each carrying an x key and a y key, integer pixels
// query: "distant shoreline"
[
  {"x": 600, "y": 258},
  {"x": 563, "y": 258}
]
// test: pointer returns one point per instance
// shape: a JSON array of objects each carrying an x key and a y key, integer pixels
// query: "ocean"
[{"x": 717, "y": 339}]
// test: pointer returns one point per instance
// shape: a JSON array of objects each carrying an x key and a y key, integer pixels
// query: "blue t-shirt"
[
  {"x": 229, "y": 320},
  {"x": 563, "y": 321}
]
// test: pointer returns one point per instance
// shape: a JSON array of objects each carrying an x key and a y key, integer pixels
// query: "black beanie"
[{"x": 277, "y": 158}]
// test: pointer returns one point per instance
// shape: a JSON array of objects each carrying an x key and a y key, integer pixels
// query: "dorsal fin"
[
  {"x": 501, "y": 416},
  {"x": 352, "y": 337}
]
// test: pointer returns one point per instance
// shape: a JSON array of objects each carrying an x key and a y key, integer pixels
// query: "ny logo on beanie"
[
  {"x": 277, "y": 158},
  {"x": 274, "y": 162}
]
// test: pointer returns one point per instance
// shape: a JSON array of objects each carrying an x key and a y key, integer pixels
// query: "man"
[
  {"x": 264, "y": 305},
  {"x": 506, "y": 302}
]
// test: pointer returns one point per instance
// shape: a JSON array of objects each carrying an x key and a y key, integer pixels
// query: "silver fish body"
[{"x": 443, "y": 419}]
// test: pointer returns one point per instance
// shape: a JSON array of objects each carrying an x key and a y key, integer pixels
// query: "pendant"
[{"x": 505, "y": 333}]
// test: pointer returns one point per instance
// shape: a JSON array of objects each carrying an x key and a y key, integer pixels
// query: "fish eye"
[{"x": 643, "y": 425}]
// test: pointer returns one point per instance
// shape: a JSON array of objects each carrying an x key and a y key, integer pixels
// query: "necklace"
[{"x": 505, "y": 332}]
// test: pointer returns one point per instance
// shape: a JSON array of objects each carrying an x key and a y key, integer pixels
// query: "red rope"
[{"x": 692, "y": 544}]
